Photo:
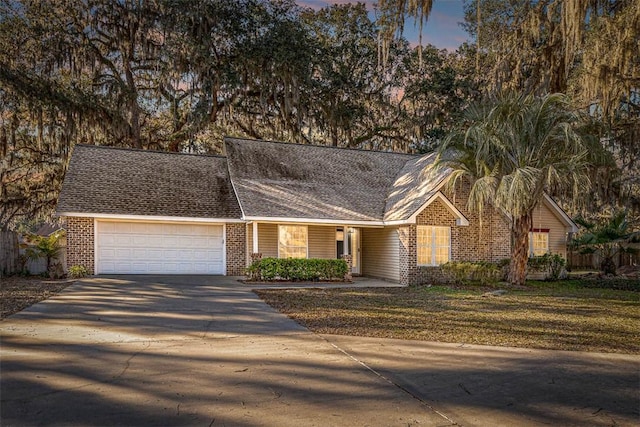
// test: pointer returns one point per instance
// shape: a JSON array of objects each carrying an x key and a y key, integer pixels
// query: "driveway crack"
[
  {"x": 147, "y": 344},
  {"x": 390, "y": 381}
]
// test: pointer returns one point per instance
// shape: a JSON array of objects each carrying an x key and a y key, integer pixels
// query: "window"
[
  {"x": 292, "y": 241},
  {"x": 434, "y": 245},
  {"x": 538, "y": 242}
]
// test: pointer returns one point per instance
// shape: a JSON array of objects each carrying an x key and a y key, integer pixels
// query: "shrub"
[
  {"x": 78, "y": 271},
  {"x": 297, "y": 269},
  {"x": 462, "y": 272},
  {"x": 551, "y": 264}
]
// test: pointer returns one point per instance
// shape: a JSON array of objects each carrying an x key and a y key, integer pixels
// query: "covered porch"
[{"x": 370, "y": 250}]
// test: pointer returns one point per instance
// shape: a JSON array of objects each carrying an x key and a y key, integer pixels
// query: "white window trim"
[
  {"x": 306, "y": 227},
  {"x": 433, "y": 247},
  {"x": 531, "y": 248}
]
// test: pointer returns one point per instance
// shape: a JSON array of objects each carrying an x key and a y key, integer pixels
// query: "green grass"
[{"x": 551, "y": 315}]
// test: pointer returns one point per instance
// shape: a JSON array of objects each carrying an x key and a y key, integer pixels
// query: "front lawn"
[{"x": 550, "y": 315}]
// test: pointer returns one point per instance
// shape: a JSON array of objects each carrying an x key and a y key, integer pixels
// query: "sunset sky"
[{"x": 442, "y": 29}]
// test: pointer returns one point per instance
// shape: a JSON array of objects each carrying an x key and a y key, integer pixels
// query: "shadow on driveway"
[{"x": 204, "y": 350}]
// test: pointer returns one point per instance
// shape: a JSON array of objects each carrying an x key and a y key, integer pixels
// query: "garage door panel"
[
  {"x": 106, "y": 227},
  {"x": 122, "y": 227},
  {"x": 108, "y": 239},
  {"x": 122, "y": 253},
  {"x": 155, "y": 255},
  {"x": 170, "y": 268},
  {"x": 108, "y": 267},
  {"x": 106, "y": 254},
  {"x": 122, "y": 240},
  {"x": 184, "y": 255},
  {"x": 201, "y": 268},
  {"x": 193, "y": 242},
  {"x": 169, "y": 255},
  {"x": 181, "y": 241},
  {"x": 216, "y": 232},
  {"x": 202, "y": 255},
  {"x": 138, "y": 253},
  {"x": 139, "y": 240},
  {"x": 159, "y": 248},
  {"x": 183, "y": 268},
  {"x": 153, "y": 240},
  {"x": 171, "y": 241}
]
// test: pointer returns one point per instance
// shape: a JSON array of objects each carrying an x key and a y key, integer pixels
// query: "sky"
[{"x": 441, "y": 30}]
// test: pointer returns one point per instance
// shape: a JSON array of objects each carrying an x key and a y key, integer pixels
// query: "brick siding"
[
  {"x": 486, "y": 238},
  {"x": 80, "y": 243},
  {"x": 407, "y": 255},
  {"x": 236, "y": 243}
]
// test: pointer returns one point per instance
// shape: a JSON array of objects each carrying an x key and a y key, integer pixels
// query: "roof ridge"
[
  {"x": 227, "y": 137},
  {"x": 141, "y": 150}
]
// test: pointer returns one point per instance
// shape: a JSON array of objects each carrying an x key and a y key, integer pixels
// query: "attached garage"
[{"x": 159, "y": 248}]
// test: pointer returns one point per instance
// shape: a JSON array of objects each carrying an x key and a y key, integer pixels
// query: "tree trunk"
[
  {"x": 519, "y": 250},
  {"x": 608, "y": 265}
]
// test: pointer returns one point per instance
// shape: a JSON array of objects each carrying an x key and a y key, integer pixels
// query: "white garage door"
[{"x": 159, "y": 248}]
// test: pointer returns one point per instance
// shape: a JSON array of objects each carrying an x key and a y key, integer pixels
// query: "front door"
[{"x": 353, "y": 237}]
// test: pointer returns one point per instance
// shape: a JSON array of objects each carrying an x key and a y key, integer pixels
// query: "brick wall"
[
  {"x": 436, "y": 214},
  {"x": 410, "y": 273},
  {"x": 407, "y": 255},
  {"x": 236, "y": 241},
  {"x": 80, "y": 243},
  {"x": 487, "y": 237}
]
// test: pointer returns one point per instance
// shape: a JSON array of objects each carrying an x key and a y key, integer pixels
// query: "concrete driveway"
[{"x": 205, "y": 351}]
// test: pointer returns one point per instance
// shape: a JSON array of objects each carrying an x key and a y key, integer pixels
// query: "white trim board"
[{"x": 303, "y": 221}]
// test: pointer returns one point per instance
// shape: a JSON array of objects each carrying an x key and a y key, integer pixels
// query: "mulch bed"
[{"x": 18, "y": 293}]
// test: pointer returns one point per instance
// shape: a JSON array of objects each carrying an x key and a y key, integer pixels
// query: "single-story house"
[{"x": 143, "y": 212}]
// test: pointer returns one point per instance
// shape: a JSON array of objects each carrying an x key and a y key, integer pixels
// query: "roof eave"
[
  {"x": 156, "y": 218},
  {"x": 319, "y": 221}
]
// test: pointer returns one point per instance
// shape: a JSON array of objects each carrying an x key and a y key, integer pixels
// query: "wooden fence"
[
  {"x": 578, "y": 261},
  {"x": 9, "y": 253}
]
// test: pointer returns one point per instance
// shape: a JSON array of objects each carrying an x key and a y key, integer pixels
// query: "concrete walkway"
[{"x": 205, "y": 351}]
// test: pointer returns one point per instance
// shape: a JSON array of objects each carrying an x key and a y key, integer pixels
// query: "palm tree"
[
  {"x": 513, "y": 150},
  {"x": 608, "y": 238},
  {"x": 47, "y": 247}
]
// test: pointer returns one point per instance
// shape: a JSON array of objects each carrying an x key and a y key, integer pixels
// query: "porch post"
[
  {"x": 346, "y": 241},
  {"x": 254, "y": 236}
]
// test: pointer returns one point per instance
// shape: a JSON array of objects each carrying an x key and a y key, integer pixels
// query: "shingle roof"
[
  {"x": 414, "y": 185},
  {"x": 136, "y": 182},
  {"x": 270, "y": 180},
  {"x": 273, "y": 179}
]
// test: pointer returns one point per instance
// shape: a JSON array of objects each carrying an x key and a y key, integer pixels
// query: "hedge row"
[
  {"x": 462, "y": 272},
  {"x": 298, "y": 269},
  {"x": 553, "y": 265}
]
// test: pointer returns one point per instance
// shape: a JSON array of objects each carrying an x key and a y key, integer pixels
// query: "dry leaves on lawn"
[{"x": 585, "y": 321}]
